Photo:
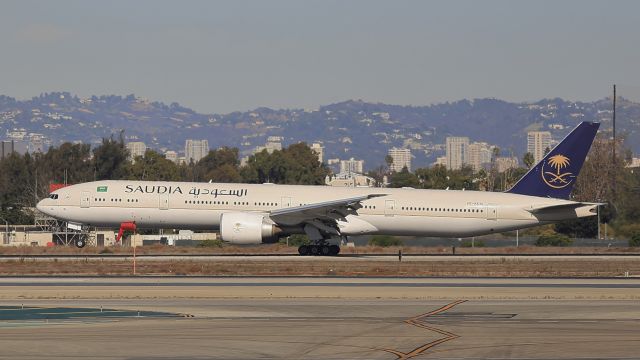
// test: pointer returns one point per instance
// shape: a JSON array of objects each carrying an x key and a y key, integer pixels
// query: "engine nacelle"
[{"x": 247, "y": 228}]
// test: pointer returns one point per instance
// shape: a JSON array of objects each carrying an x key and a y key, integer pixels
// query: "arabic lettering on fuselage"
[
  {"x": 195, "y": 191},
  {"x": 218, "y": 192}
]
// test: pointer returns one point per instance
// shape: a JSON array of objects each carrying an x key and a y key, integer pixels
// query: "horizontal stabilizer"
[{"x": 553, "y": 208}]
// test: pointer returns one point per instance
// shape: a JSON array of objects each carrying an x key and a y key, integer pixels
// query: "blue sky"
[{"x": 223, "y": 56}]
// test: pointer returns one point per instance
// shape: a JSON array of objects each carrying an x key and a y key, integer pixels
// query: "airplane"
[{"x": 264, "y": 213}]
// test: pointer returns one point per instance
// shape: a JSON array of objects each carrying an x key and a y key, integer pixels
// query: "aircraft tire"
[
  {"x": 303, "y": 250},
  {"x": 325, "y": 250},
  {"x": 80, "y": 243},
  {"x": 314, "y": 250},
  {"x": 334, "y": 250}
]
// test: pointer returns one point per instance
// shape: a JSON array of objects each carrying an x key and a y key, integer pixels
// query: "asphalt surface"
[
  {"x": 296, "y": 328},
  {"x": 327, "y": 287}
]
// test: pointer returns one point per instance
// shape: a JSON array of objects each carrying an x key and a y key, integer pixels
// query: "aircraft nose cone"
[{"x": 40, "y": 206}]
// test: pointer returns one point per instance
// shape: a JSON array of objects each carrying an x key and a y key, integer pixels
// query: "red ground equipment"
[
  {"x": 53, "y": 187},
  {"x": 126, "y": 226}
]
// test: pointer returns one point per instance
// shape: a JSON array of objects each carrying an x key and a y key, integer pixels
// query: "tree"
[
  {"x": 510, "y": 178},
  {"x": 297, "y": 164},
  {"x": 302, "y": 166},
  {"x": 263, "y": 167},
  {"x": 403, "y": 179},
  {"x": 153, "y": 167},
  {"x": 17, "y": 184},
  {"x": 389, "y": 161},
  {"x": 378, "y": 175},
  {"x": 110, "y": 159},
  {"x": 578, "y": 228},
  {"x": 553, "y": 240},
  {"x": 634, "y": 241},
  {"x": 528, "y": 160},
  {"x": 219, "y": 165}
]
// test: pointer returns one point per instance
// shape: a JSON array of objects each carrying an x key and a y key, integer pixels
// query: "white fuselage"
[{"x": 446, "y": 213}]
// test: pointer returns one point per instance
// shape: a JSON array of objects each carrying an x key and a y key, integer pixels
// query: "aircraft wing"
[{"x": 322, "y": 211}]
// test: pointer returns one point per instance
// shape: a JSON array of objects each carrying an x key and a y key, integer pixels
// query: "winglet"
[{"x": 555, "y": 175}]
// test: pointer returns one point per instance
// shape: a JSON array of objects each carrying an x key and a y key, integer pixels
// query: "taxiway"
[{"x": 318, "y": 318}]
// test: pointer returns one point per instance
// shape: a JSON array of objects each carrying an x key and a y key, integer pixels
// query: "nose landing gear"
[{"x": 80, "y": 243}]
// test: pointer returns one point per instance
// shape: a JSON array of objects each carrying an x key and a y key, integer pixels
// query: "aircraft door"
[
  {"x": 492, "y": 212},
  {"x": 164, "y": 202},
  {"x": 389, "y": 207},
  {"x": 84, "y": 199},
  {"x": 286, "y": 201}
]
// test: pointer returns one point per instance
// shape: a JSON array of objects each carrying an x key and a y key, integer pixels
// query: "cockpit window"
[{"x": 53, "y": 196}]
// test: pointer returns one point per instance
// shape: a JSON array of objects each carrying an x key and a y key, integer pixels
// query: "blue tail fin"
[{"x": 555, "y": 175}]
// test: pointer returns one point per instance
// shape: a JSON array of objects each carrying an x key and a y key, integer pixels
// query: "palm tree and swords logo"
[{"x": 557, "y": 179}]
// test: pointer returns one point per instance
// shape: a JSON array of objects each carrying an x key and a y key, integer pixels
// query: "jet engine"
[{"x": 248, "y": 228}]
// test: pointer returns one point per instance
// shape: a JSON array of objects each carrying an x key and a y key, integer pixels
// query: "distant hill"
[{"x": 348, "y": 129}]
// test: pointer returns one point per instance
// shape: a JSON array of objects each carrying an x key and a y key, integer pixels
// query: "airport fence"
[{"x": 486, "y": 241}]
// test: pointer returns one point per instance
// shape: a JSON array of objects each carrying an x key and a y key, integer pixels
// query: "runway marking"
[{"x": 418, "y": 322}]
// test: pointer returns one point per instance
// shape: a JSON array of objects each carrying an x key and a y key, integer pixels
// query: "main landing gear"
[{"x": 319, "y": 250}]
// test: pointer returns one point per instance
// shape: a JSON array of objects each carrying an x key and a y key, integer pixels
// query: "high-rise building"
[
  {"x": 350, "y": 180},
  {"x": 319, "y": 150},
  {"x": 195, "y": 150},
  {"x": 457, "y": 152},
  {"x": 479, "y": 155},
  {"x": 171, "y": 156},
  {"x": 273, "y": 143},
  {"x": 537, "y": 144},
  {"x": 136, "y": 148},
  {"x": 401, "y": 158},
  {"x": 440, "y": 161},
  {"x": 352, "y": 166}
]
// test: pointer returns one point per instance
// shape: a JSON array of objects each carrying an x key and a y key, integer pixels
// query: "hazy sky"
[{"x": 222, "y": 56}]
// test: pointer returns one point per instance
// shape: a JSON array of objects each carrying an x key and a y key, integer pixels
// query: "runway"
[
  {"x": 335, "y": 329},
  {"x": 177, "y": 287}
]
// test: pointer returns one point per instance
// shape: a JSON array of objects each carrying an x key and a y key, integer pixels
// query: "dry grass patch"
[{"x": 491, "y": 268}]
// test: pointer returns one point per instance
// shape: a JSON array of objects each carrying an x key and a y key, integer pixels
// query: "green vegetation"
[
  {"x": 211, "y": 243},
  {"x": 297, "y": 164},
  {"x": 528, "y": 160},
  {"x": 635, "y": 240},
  {"x": 384, "y": 241},
  {"x": 553, "y": 240},
  {"x": 295, "y": 240},
  {"x": 469, "y": 243},
  {"x": 579, "y": 228}
]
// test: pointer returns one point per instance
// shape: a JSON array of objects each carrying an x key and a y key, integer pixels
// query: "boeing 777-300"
[{"x": 263, "y": 213}]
